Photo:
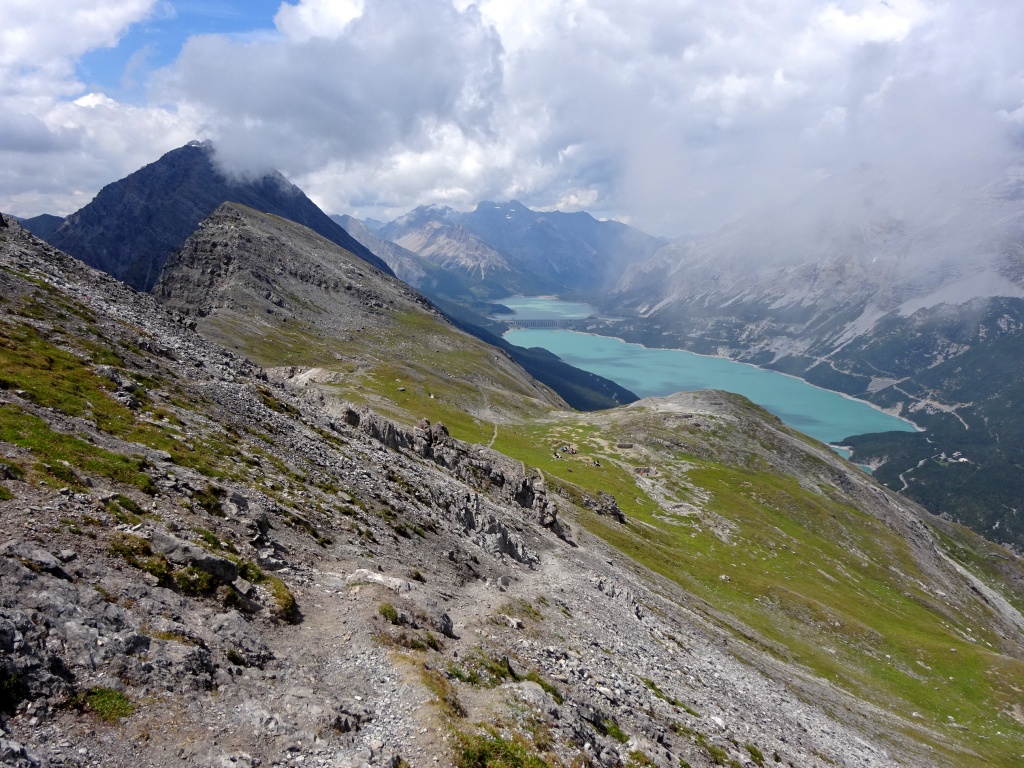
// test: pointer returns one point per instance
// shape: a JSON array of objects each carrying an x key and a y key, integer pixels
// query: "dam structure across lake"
[{"x": 569, "y": 323}]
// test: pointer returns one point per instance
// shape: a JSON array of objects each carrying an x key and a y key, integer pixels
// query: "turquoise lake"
[{"x": 820, "y": 413}]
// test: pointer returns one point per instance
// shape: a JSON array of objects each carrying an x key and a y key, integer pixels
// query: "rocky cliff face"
[
  {"x": 134, "y": 224},
  {"x": 435, "y": 234},
  {"x": 407, "y": 265},
  {"x": 412, "y": 268},
  {"x": 205, "y": 562}
]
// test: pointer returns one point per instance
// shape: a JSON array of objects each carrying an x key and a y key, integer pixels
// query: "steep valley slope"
[
  {"x": 212, "y": 561},
  {"x": 285, "y": 296}
]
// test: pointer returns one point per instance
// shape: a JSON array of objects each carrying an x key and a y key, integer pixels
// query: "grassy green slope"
[{"x": 799, "y": 569}]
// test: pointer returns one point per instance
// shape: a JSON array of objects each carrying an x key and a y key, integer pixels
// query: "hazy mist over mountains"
[{"x": 864, "y": 234}]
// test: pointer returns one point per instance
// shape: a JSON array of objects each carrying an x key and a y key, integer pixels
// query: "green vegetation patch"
[
  {"x": 53, "y": 377},
  {"x": 211, "y": 498},
  {"x": 34, "y": 363},
  {"x": 611, "y": 728},
  {"x": 137, "y": 552},
  {"x": 521, "y": 609},
  {"x": 638, "y": 759},
  {"x": 195, "y": 581},
  {"x": 285, "y": 602},
  {"x": 490, "y": 750},
  {"x": 58, "y": 453},
  {"x": 125, "y": 510},
  {"x": 287, "y": 607},
  {"x": 445, "y": 695},
  {"x": 669, "y": 699},
  {"x": 755, "y": 754},
  {"x": 495, "y": 670},
  {"x": 534, "y": 677},
  {"x": 467, "y": 676},
  {"x": 808, "y": 577},
  {"x": 105, "y": 703},
  {"x": 831, "y": 588},
  {"x": 718, "y": 755}
]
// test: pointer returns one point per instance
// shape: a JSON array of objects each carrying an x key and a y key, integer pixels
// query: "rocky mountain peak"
[
  {"x": 134, "y": 224},
  {"x": 509, "y": 248}
]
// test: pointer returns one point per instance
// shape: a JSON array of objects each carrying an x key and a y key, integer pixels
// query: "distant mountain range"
[
  {"x": 134, "y": 224},
  {"x": 507, "y": 248},
  {"x": 43, "y": 225},
  {"x": 410, "y": 267}
]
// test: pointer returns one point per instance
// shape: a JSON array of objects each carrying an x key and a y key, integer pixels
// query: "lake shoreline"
[{"x": 886, "y": 411}]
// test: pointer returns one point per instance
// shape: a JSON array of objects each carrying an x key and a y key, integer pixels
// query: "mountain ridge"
[
  {"x": 42, "y": 225},
  {"x": 251, "y": 278}
]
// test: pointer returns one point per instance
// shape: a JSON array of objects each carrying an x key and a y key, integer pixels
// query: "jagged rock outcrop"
[
  {"x": 475, "y": 465},
  {"x": 605, "y": 504}
]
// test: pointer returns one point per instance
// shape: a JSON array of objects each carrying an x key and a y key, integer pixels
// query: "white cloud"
[
  {"x": 44, "y": 37},
  {"x": 59, "y": 145},
  {"x": 677, "y": 114},
  {"x": 881, "y": 22},
  {"x": 370, "y": 89},
  {"x": 317, "y": 18}
]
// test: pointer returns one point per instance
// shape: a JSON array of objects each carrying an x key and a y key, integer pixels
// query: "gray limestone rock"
[
  {"x": 184, "y": 553},
  {"x": 34, "y": 557}
]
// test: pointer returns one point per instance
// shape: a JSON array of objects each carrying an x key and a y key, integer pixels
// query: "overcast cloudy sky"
[{"x": 674, "y": 115}]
